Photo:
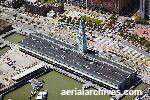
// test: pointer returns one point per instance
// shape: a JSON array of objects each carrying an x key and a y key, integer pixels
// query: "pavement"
[{"x": 13, "y": 63}]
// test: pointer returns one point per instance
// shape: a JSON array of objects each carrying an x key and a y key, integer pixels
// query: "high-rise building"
[
  {"x": 82, "y": 38},
  {"x": 145, "y": 8}
]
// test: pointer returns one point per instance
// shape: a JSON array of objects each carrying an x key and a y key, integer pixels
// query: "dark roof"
[{"x": 102, "y": 69}]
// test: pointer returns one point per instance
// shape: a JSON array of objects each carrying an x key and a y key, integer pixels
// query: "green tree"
[
  {"x": 121, "y": 33},
  {"x": 147, "y": 44}
]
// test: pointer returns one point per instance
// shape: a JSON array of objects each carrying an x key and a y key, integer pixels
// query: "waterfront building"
[{"x": 90, "y": 67}]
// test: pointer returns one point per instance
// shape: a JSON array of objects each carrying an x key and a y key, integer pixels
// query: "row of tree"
[
  {"x": 140, "y": 20},
  {"x": 95, "y": 25},
  {"x": 135, "y": 39}
]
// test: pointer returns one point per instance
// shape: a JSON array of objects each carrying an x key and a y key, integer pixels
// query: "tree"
[
  {"x": 69, "y": 19},
  {"x": 73, "y": 22},
  {"x": 61, "y": 8},
  {"x": 140, "y": 20},
  {"x": 121, "y": 33},
  {"x": 147, "y": 44}
]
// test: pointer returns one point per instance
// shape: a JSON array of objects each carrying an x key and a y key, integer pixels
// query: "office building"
[{"x": 145, "y": 8}]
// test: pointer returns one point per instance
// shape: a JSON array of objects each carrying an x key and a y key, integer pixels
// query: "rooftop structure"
[{"x": 97, "y": 70}]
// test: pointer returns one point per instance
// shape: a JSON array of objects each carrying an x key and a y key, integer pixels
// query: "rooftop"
[{"x": 101, "y": 69}]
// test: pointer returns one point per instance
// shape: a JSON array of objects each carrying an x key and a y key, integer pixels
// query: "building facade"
[{"x": 145, "y": 8}]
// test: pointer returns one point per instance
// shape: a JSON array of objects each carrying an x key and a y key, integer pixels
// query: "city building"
[
  {"x": 36, "y": 8},
  {"x": 113, "y": 6},
  {"x": 82, "y": 38},
  {"x": 42, "y": 9},
  {"x": 145, "y": 8}
]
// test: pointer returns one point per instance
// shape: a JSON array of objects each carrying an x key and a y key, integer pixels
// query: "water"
[{"x": 54, "y": 83}]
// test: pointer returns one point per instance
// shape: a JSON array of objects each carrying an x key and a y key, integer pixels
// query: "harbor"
[{"x": 54, "y": 82}]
